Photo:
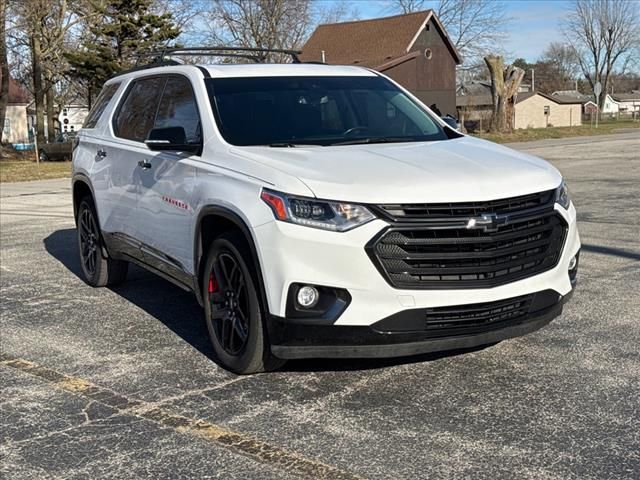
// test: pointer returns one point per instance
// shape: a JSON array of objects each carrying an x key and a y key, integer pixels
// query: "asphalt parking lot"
[{"x": 120, "y": 383}]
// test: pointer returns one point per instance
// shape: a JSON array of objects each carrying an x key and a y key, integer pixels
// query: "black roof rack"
[{"x": 221, "y": 51}]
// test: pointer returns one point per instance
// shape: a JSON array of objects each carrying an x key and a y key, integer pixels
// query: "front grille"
[
  {"x": 428, "y": 211},
  {"x": 448, "y": 255},
  {"x": 479, "y": 315}
]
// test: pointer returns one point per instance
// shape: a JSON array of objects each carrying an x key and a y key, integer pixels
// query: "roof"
[
  {"x": 17, "y": 94},
  {"x": 230, "y": 70},
  {"x": 285, "y": 69},
  {"x": 480, "y": 95},
  {"x": 565, "y": 99},
  {"x": 371, "y": 43},
  {"x": 626, "y": 97},
  {"x": 569, "y": 93}
]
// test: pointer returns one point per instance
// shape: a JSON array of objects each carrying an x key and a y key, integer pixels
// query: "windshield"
[{"x": 287, "y": 111}]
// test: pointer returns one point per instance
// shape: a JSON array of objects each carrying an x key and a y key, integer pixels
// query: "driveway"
[{"x": 120, "y": 383}]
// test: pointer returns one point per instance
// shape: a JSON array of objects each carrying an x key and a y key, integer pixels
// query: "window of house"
[{"x": 6, "y": 130}]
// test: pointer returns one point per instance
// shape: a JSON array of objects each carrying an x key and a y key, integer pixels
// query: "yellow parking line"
[{"x": 235, "y": 441}]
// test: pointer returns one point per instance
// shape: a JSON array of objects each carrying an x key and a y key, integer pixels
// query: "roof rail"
[{"x": 248, "y": 53}]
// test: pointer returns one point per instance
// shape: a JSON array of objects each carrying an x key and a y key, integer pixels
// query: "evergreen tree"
[{"x": 118, "y": 30}]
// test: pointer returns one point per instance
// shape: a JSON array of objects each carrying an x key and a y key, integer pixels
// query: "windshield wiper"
[
  {"x": 368, "y": 140},
  {"x": 283, "y": 145}
]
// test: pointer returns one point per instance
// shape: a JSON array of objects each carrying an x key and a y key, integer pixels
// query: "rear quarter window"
[
  {"x": 137, "y": 112},
  {"x": 100, "y": 105}
]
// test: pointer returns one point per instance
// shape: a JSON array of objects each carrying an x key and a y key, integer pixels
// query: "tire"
[
  {"x": 98, "y": 268},
  {"x": 233, "y": 310},
  {"x": 42, "y": 156}
]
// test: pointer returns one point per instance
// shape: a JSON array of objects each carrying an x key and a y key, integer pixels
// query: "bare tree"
[
  {"x": 40, "y": 27},
  {"x": 605, "y": 35},
  {"x": 272, "y": 24},
  {"x": 408, "y": 6},
  {"x": 504, "y": 88},
  {"x": 4, "y": 68},
  {"x": 476, "y": 27}
]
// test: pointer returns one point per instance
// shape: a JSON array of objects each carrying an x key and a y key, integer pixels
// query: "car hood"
[{"x": 457, "y": 170}]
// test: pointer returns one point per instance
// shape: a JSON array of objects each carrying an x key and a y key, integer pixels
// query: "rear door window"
[
  {"x": 178, "y": 108},
  {"x": 136, "y": 115},
  {"x": 100, "y": 104}
]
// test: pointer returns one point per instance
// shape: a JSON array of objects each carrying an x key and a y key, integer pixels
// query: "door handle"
[
  {"x": 101, "y": 153},
  {"x": 143, "y": 164}
]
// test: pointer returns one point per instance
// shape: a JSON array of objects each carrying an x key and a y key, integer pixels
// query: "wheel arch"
[
  {"x": 81, "y": 187},
  {"x": 214, "y": 220}
]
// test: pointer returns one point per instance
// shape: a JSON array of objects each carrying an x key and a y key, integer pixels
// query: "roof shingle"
[{"x": 369, "y": 43}]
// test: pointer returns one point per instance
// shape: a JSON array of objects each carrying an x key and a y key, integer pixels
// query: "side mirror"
[
  {"x": 452, "y": 122},
  {"x": 170, "y": 139}
]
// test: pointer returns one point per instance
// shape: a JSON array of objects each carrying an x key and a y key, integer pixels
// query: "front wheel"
[
  {"x": 233, "y": 311},
  {"x": 42, "y": 156}
]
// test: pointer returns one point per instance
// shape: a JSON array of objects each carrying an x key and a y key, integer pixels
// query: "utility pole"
[{"x": 533, "y": 80}]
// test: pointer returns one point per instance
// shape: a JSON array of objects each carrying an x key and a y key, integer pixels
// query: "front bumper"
[
  {"x": 295, "y": 339},
  {"x": 291, "y": 254}
]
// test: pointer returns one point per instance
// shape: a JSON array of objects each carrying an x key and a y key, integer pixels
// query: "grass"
[
  {"x": 22, "y": 167},
  {"x": 532, "y": 134}
]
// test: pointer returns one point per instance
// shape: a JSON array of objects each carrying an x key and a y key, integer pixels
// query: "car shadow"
[{"x": 179, "y": 312}]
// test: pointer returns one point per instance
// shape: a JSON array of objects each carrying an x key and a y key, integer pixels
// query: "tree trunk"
[
  {"x": 495, "y": 64},
  {"x": 4, "y": 68},
  {"x": 36, "y": 55},
  {"x": 513, "y": 78},
  {"x": 51, "y": 128},
  {"x": 504, "y": 89}
]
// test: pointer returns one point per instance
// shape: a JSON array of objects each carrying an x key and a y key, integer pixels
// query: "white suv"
[{"x": 318, "y": 211}]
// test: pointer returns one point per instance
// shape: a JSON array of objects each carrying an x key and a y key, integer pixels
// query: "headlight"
[
  {"x": 562, "y": 195},
  {"x": 335, "y": 216}
]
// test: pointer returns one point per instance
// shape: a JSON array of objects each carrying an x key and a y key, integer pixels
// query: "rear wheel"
[
  {"x": 99, "y": 270},
  {"x": 233, "y": 309}
]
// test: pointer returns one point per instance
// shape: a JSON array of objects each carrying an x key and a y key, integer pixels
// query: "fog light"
[
  {"x": 573, "y": 263},
  {"x": 308, "y": 296}
]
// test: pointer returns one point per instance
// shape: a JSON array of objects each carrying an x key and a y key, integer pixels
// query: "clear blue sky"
[{"x": 534, "y": 23}]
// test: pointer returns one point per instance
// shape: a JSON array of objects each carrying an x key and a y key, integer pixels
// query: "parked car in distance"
[
  {"x": 60, "y": 149},
  {"x": 318, "y": 211}
]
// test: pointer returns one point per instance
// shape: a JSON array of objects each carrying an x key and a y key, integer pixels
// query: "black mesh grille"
[
  {"x": 483, "y": 315},
  {"x": 422, "y": 256}
]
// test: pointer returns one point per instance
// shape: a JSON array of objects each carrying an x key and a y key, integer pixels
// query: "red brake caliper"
[{"x": 213, "y": 284}]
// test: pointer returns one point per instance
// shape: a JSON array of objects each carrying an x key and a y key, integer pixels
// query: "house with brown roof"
[
  {"x": 15, "y": 128},
  {"x": 532, "y": 109},
  {"x": 412, "y": 49}
]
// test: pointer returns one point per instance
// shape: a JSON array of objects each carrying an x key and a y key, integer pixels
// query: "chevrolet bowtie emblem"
[{"x": 489, "y": 222}]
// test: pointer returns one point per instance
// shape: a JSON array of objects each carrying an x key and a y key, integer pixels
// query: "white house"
[
  {"x": 588, "y": 101},
  {"x": 72, "y": 117},
  {"x": 15, "y": 129},
  {"x": 532, "y": 109},
  {"x": 628, "y": 103}
]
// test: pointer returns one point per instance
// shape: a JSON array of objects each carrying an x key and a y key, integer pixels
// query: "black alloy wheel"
[
  {"x": 89, "y": 241},
  {"x": 99, "y": 268},
  {"x": 234, "y": 311},
  {"x": 230, "y": 307}
]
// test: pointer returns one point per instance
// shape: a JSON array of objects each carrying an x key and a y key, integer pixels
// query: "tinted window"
[
  {"x": 100, "y": 104},
  {"x": 137, "y": 113},
  {"x": 178, "y": 109},
  {"x": 317, "y": 110}
]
